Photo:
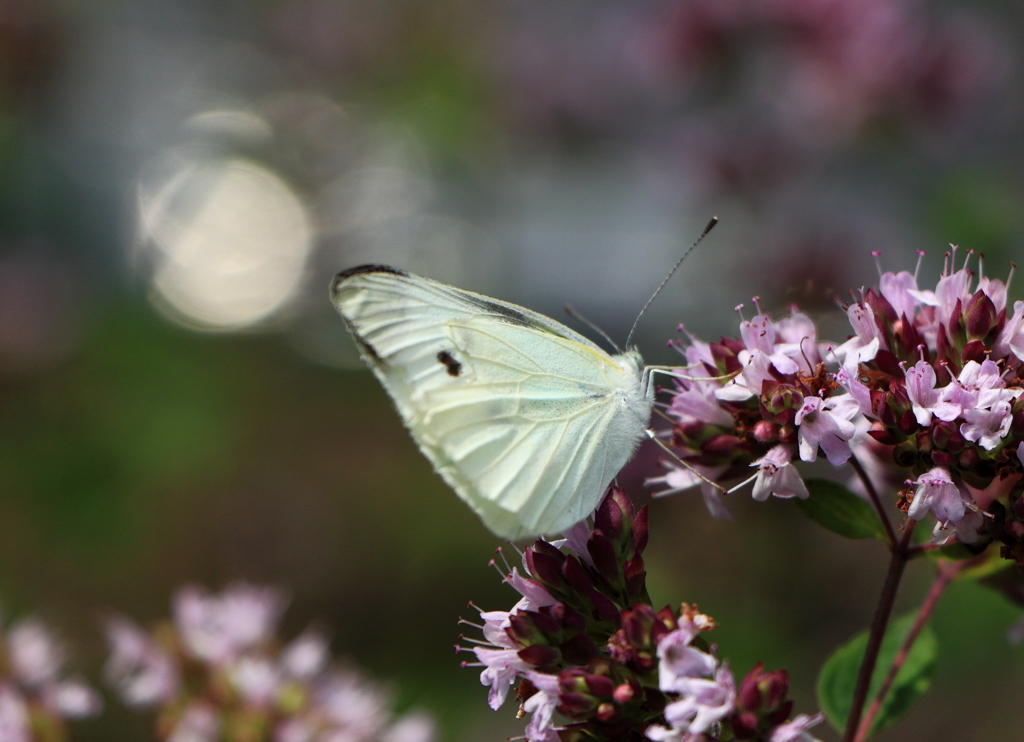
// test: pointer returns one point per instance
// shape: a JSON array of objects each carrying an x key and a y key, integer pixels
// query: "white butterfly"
[{"x": 526, "y": 419}]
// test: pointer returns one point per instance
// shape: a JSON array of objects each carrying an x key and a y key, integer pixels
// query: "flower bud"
[
  {"x": 624, "y": 694},
  {"x": 545, "y": 564},
  {"x": 887, "y": 361},
  {"x": 636, "y": 580},
  {"x": 576, "y": 704},
  {"x": 639, "y": 531},
  {"x": 899, "y": 400},
  {"x": 604, "y": 607},
  {"x": 637, "y": 625},
  {"x": 750, "y": 694},
  {"x": 600, "y": 686},
  {"x": 691, "y": 431},
  {"x": 744, "y": 725},
  {"x": 763, "y": 431},
  {"x": 882, "y": 434},
  {"x": 614, "y": 515},
  {"x": 725, "y": 354},
  {"x": 539, "y": 655},
  {"x": 780, "y": 402},
  {"x": 780, "y": 714},
  {"x": 577, "y": 576},
  {"x": 975, "y": 350},
  {"x": 946, "y": 360},
  {"x": 906, "y": 338},
  {"x": 763, "y": 691},
  {"x": 957, "y": 334},
  {"x": 969, "y": 458},
  {"x": 721, "y": 446},
  {"x": 885, "y": 412},
  {"x": 979, "y": 316},
  {"x": 881, "y": 307},
  {"x": 602, "y": 553},
  {"x": 947, "y": 435},
  {"x": 907, "y": 423},
  {"x": 568, "y": 619}
]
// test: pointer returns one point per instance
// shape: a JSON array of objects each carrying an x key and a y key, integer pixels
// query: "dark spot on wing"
[
  {"x": 360, "y": 269},
  {"x": 510, "y": 315},
  {"x": 449, "y": 362}
]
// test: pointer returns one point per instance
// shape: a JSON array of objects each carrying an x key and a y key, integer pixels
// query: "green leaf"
[
  {"x": 839, "y": 675},
  {"x": 834, "y": 507}
]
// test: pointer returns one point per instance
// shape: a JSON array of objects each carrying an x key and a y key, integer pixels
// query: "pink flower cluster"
[
  {"x": 217, "y": 674},
  {"x": 584, "y": 641},
  {"x": 926, "y": 390},
  {"x": 35, "y": 701}
]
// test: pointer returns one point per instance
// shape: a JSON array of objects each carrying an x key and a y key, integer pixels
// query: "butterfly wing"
[{"x": 527, "y": 420}]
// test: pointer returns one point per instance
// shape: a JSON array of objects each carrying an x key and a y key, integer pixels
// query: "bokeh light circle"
[{"x": 230, "y": 239}]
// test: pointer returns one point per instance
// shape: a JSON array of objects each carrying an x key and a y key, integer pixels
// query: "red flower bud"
[
  {"x": 600, "y": 686},
  {"x": 613, "y": 514},
  {"x": 575, "y": 704},
  {"x": 640, "y": 531},
  {"x": 975, "y": 350},
  {"x": 881, "y": 308},
  {"x": 744, "y": 726},
  {"x": 763, "y": 431},
  {"x": 624, "y": 694},
  {"x": 969, "y": 458},
  {"x": 979, "y": 316},
  {"x": 907, "y": 423},
  {"x": 538, "y": 655},
  {"x": 750, "y": 693},
  {"x": 602, "y": 552}
]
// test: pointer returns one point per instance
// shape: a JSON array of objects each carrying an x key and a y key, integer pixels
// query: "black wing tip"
[{"x": 360, "y": 269}]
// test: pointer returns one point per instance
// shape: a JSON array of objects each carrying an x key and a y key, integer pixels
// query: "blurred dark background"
[{"x": 179, "y": 180}]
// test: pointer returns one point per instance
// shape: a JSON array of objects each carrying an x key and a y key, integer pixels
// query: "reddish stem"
[
  {"x": 946, "y": 574},
  {"x": 877, "y": 631}
]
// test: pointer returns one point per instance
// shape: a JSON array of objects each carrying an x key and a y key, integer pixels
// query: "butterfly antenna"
[
  {"x": 577, "y": 316},
  {"x": 711, "y": 225}
]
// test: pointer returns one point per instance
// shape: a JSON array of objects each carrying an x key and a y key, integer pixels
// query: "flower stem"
[
  {"x": 877, "y": 631},
  {"x": 948, "y": 572},
  {"x": 875, "y": 499}
]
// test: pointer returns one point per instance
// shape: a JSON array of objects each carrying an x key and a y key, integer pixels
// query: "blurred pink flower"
[
  {"x": 141, "y": 671},
  {"x": 219, "y": 669},
  {"x": 34, "y": 695},
  {"x": 218, "y": 628}
]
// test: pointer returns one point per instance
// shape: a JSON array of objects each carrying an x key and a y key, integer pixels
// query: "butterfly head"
[{"x": 631, "y": 362}]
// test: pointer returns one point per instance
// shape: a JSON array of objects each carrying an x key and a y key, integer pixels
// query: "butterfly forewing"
[{"x": 526, "y": 419}]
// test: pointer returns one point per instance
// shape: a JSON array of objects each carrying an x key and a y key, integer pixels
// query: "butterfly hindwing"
[{"x": 523, "y": 417}]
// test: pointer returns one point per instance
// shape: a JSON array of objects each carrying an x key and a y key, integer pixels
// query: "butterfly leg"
[
  {"x": 654, "y": 437},
  {"x": 673, "y": 372}
]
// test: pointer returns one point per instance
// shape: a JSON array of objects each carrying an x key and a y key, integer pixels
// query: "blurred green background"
[{"x": 179, "y": 180}]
